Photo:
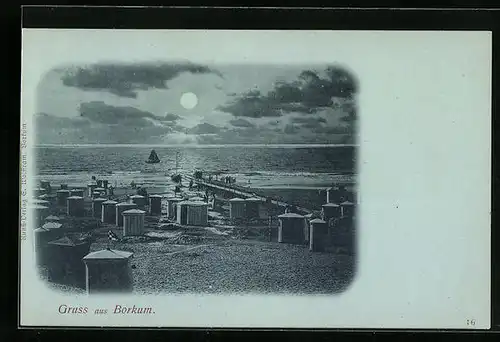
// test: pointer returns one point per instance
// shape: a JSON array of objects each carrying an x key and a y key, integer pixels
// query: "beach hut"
[
  {"x": 197, "y": 214},
  {"x": 77, "y": 192},
  {"x": 237, "y": 208},
  {"x": 90, "y": 188},
  {"x": 252, "y": 207},
  {"x": 109, "y": 212},
  {"x": 344, "y": 194},
  {"x": 108, "y": 270},
  {"x": 39, "y": 202},
  {"x": 331, "y": 211},
  {"x": 62, "y": 196},
  {"x": 97, "y": 207},
  {"x": 318, "y": 235},
  {"x": 65, "y": 259},
  {"x": 347, "y": 209},
  {"x": 197, "y": 199},
  {"x": 182, "y": 212},
  {"x": 155, "y": 204},
  {"x": 291, "y": 228},
  {"x": 172, "y": 206},
  {"x": 50, "y": 231},
  {"x": 55, "y": 227},
  {"x": 343, "y": 225},
  {"x": 139, "y": 200},
  {"x": 75, "y": 206},
  {"x": 42, "y": 237},
  {"x": 120, "y": 208},
  {"x": 307, "y": 226},
  {"x": 333, "y": 195},
  {"x": 39, "y": 212},
  {"x": 39, "y": 191},
  {"x": 46, "y": 185},
  {"x": 133, "y": 222},
  {"x": 55, "y": 230},
  {"x": 52, "y": 218},
  {"x": 100, "y": 190}
]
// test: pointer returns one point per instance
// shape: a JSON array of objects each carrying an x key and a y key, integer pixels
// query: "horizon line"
[{"x": 194, "y": 145}]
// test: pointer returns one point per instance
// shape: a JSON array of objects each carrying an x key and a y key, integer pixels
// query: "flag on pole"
[{"x": 112, "y": 236}]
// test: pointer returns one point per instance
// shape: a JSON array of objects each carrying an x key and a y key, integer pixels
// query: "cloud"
[
  {"x": 61, "y": 122},
  {"x": 210, "y": 139},
  {"x": 100, "y": 112},
  {"x": 57, "y": 130},
  {"x": 309, "y": 122},
  {"x": 204, "y": 128},
  {"x": 251, "y": 104},
  {"x": 310, "y": 93},
  {"x": 274, "y": 122},
  {"x": 291, "y": 129},
  {"x": 181, "y": 138},
  {"x": 241, "y": 123},
  {"x": 171, "y": 117},
  {"x": 126, "y": 79},
  {"x": 333, "y": 130},
  {"x": 100, "y": 123},
  {"x": 315, "y": 107}
]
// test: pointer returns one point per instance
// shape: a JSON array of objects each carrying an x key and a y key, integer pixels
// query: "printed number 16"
[{"x": 471, "y": 322}]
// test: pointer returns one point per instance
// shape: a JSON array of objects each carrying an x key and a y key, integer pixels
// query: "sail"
[{"x": 153, "y": 158}]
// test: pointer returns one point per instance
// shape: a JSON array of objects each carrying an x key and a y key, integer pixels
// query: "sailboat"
[{"x": 153, "y": 158}]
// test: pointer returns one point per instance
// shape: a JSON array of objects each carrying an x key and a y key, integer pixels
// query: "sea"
[{"x": 296, "y": 171}]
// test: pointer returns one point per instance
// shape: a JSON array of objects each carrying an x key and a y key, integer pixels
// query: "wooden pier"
[{"x": 239, "y": 191}]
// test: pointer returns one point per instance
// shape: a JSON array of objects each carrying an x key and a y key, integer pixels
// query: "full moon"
[{"x": 189, "y": 100}]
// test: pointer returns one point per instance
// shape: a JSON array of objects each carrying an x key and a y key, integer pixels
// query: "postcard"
[{"x": 255, "y": 179}]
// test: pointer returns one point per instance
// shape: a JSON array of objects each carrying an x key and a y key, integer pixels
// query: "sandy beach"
[{"x": 221, "y": 257}]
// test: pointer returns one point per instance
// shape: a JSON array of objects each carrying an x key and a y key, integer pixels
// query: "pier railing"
[{"x": 245, "y": 192}]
